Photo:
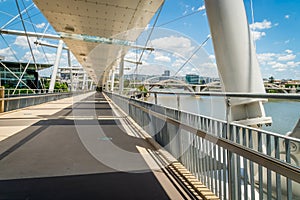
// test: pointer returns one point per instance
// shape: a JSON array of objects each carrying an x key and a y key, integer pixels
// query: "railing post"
[
  {"x": 178, "y": 102},
  {"x": 2, "y": 95},
  {"x": 231, "y": 188}
]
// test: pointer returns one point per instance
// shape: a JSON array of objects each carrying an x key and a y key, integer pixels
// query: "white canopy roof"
[{"x": 99, "y": 20}]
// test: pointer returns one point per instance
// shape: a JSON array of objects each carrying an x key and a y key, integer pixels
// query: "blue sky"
[{"x": 276, "y": 30}]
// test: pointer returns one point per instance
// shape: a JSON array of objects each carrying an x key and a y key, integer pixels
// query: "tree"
[{"x": 271, "y": 79}]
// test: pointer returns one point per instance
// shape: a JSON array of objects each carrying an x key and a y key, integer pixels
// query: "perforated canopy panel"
[{"x": 101, "y": 18}]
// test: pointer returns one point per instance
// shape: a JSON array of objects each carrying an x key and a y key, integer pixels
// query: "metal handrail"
[
  {"x": 233, "y": 94},
  {"x": 224, "y": 121},
  {"x": 31, "y": 96},
  {"x": 25, "y": 92}
]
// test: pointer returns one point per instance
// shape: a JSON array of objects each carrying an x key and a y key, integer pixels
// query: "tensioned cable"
[
  {"x": 6, "y": 13},
  {"x": 202, "y": 44},
  {"x": 149, "y": 36},
  {"x": 25, "y": 19},
  {"x": 42, "y": 46},
  {"x": 252, "y": 18},
  {"x": 5, "y": 41},
  {"x": 15, "y": 17},
  {"x": 33, "y": 26},
  {"x": 176, "y": 19},
  {"x": 7, "y": 44},
  {"x": 33, "y": 58},
  {"x": 171, "y": 21}
]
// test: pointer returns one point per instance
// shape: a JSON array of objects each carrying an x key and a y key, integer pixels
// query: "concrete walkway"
[{"x": 76, "y": 148}]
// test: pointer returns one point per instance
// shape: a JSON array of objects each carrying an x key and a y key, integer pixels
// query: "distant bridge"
[
  {"x": 271, "y": 86},
  {"x": 213, "y": 86}
]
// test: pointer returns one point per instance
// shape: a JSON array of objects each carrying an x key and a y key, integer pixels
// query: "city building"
[
  {"x": 30, "y": 76},
  {"x": 166, "y": 73},
  {"x": 192, "y": 79}
]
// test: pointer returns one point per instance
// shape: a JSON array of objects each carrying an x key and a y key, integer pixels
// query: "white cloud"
[
  {"x": 280, "y": 69},
  {"x": 175, "y": 44},
  {"x": 281, "y": 64},
  {"x": 212, "y": 57},
  {"x": 287, "y": 16},
  {"x": 257, "y": 35},
  {"x": 147, "y": 27},
  {"x": 263, "y": 58},
  {"x": 22, "y": 42},
  {"x": 201, "y": 8},
  {"x": 261, "y": 25},
  {"x": 209, "y": 65},
  {"x": 163, "y": 58},
  {"x": 8, "y": 54},
  {"x": 288, "y": 51},
  {"x": 272, "y": 63},
  {"x": 178, "y": 63},
  {"x": 258, "y": 27},
  {"x": 38, "y": 55},
  {"x": 293, "y": 64},
  {"x": 42, "y": 25},
  {"x": 286, "y": 57}
]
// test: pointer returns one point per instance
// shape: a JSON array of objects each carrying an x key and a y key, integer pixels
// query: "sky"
[{"x": 180, "y": 29}]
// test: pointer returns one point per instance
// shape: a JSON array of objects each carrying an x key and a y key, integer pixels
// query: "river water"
[{"x": 285, "y": 114}]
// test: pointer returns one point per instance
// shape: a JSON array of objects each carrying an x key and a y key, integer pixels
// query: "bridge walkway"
[{"x": 76, "y": 148}]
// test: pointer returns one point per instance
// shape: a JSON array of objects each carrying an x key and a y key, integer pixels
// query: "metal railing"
[
  {"x": 17, "y": 102},
  {"x": 234, "y": 161},
  {"x": 26, "y": 91}
]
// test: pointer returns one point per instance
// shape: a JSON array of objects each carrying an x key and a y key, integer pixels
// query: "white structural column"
[
  {"x": 71, "y": 71},
  {"x": 236, "y": 58},
  {"x": 91, "y": 85},
  {"x": 55, "y": 67},
  {"x": 121, "y": 76},
  {"x": 84, "y": 81},
  {"x": 112, "y": 81},
  {"x": 107, "y": 87}
]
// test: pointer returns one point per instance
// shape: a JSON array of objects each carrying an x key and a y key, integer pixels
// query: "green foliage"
[
  {"x": 62, "y": 86},
  {"x": 126, "y": 83},
  {"x": 142, "y": 88},
  {"x": 272, "y": 91}
]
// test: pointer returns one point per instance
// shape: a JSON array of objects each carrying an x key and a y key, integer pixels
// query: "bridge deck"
[{"x": 66, "y": 150}]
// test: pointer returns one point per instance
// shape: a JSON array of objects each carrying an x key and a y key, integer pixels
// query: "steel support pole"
[
  {"x": 55, "y": 67},
  {"x": 112, "y": 80},
  {"x": 2, "y": 95},
  {"x": 83, "y": 82},
  {"x": 91, "y": 85},
  {"x": 71, "y": 72},
  {"x": 108, "y": 81},
  {"x": 121, "y": 76}
]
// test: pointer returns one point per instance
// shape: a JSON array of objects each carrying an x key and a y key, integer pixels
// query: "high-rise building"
[{"x": 166, "y": 73}]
